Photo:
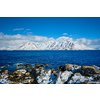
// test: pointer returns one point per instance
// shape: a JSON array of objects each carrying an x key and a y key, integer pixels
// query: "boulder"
[
  {"x": 28, "y": 80},
  {"x": 19, "y": 66},
  {"x": 77, "y": 69},
  {"x": 52, "y": 69},
  {"x": 5, "y": 72},
  {"x": 3, "y": 66},
  {"x": 46, "y": 65},
  {"x": 44, "y": 77},
  {"x": 0, "y": 71},
  {"x": 27, "y": 74},
  {"x": 90, "y": 70},
  {"x": 38, "y": 65},
  {"x": 63, "y": 77},
  {"x": 4, "y": 79},
  {"x": 69, "y": 67},
  {"x": 78, "y": 78},
  {"x": 11, "y": 76},
  {"x": 4, "y": 76},
  {"x": 33, "y": 73},
  {"x": 55, "y": 72},
  {"x": 31, "y": 81},
  {"x": 96, "y": 77},
  {"x": 20, "y": 72},
  {"x": 27, "y": 66},
  {"x": 61, "y": 68},
  {"x": 18, "y": 76}
]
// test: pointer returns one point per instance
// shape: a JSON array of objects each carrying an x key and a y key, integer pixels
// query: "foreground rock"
[
  {"x": 46, "y": 65},
  {"x": 63, "y": 77},
  {"x": 3, "y": 66},
  {"x": 17, "y": 77},
  {"x": 38, "y": 65},
  {"x": 20, "y": 66},
  {"x": 90, "y": 70},
  {"x": 70, "y": 67},
  {"x": 27, "y": 66},
  {"x": 65, "y": 74},
  {"x": 78, "y": 78},
  {"x": 44, "y": 77}
]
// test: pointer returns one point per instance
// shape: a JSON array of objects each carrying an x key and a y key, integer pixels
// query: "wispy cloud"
[
  {"x": 18, "y": 29},
  {"x": 29, "y": 33},
  {"x": 1, "y": 33},
  {"x": 64, "y": 34},
  {"x": 70, "y": 35},
  {"x": 13, "y": 41},
  {"x": 27, "y": 29}
]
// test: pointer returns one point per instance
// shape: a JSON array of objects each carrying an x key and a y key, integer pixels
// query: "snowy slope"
[
  {"x": 81, "y": 47},
  {"x": 65, "y": 45},
  {"x": 43, "y": 45},
  {"x": 28, "y": 46}
]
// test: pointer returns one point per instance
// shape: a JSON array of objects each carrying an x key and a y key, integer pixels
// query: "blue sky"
[
  {"x": 17, "y": 31},
  {"x": 75, "y": 27}
]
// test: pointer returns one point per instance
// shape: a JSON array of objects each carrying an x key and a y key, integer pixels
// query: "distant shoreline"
[{"x": 49, "y": 50}]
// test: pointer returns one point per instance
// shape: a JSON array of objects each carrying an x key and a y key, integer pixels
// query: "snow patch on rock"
[{"x": 63, "y": 77}]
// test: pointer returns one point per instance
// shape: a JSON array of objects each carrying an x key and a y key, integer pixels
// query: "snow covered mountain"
[{"x": 53, "y": 45}]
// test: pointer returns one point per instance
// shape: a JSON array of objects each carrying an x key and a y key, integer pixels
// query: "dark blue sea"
[{"x": 54, "y": 58}]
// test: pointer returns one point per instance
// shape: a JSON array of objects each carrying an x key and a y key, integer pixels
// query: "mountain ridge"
[{"x": 53, "y": 45}]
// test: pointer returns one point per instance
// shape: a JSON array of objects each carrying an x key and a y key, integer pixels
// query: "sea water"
[{"x": 54, "y": 58}]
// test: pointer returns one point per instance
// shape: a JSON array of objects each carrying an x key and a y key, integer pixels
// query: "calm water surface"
[{"x": 54, "y": 58}]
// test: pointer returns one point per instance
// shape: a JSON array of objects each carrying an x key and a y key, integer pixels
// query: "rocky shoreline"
[{"x": 66, "y": 74}]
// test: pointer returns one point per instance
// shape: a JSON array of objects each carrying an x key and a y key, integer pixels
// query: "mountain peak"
[{"x": 28, "y": 46}]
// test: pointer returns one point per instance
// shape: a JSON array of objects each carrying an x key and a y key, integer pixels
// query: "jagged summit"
[{"x": 65, "y": 45}]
